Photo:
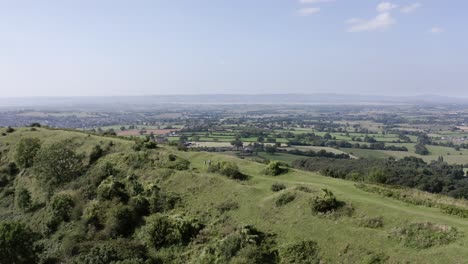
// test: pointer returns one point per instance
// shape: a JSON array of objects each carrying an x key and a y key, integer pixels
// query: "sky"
[{"x": 151, "y": 47}]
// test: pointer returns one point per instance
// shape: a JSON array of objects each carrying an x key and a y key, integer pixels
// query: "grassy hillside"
[{"x": 213, "y": 210}]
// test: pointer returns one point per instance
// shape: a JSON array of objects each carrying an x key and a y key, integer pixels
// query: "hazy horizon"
[{"x": 121, "y": 48}]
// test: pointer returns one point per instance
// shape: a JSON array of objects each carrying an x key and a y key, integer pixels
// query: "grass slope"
[{"x": 341, "y": 240}]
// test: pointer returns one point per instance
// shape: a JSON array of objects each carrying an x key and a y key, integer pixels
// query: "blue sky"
[{"x": 116, "y": 47}]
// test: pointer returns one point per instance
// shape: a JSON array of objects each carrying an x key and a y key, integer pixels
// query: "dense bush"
[
  {"x": 114, "y": 251},
  {"x": 274, "y": 169},
  {"x": 17, "y": 244},
  {"x": 162, "y": 230},
  {"x": 325, "y": 203},
  {"x": 22, "y": 198},
  {"x": 111, "y": 188},
  {"x": 305, "y": 252},
  {"x": 246, "y": 245},
  {"x": 26, "y": 151},
  {"x": 59, "y": 210},
  {"x": 285, "y": 198},
  {"x": 276, "y": 187},
  {"x": 160, "y": 201},
  {"x": 96, "y": 153},
  {"x": 229, "y": 169},
  {"x": 121, "y": 221}
]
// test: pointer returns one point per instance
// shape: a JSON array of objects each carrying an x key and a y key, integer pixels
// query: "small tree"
[
  {"x": 26, "y": 151},
  {"x": 58, "y": 163}
]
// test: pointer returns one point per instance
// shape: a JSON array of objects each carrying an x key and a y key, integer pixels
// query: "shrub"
[
  {"x": 425, "y": 235},
  {"x": 229, "y": 169},
  {"x": 26, "y": 150},
  {"x": 276, "y": 187},
  {"x": 274, "y": 169},
  {"x": 162, "y": 230},
  {"x": 285, "y": 198},
  {"x": 325, "y": 203},
  {"x": 160, "y": 201},
  {"x": 59, "y": 210},
  {"x": 101, "y": 171},
  {"x": 454, "y": 210},
  {"x": 10, "y": 129},
  {"x": 371, "y": 222},
  {"x": 23, "y": 198},
  {"x": 114, "y": 251},
  {"x": 17, "y": 243},
  {"x": 111, "y": 188},
  {"x": 305, "y": 252},
  {"x": 140, "y": 206},
  {"x": 246, "y": 245},
  {"x": 96, "y": 153},
  {"x": 120, "y": 221}
]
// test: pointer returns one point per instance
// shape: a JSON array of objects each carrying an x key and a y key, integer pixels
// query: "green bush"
[
  {"x": 26, "y": 151},
  {"x": 17, "y": 244},
  {"x": 274, "y": 169},
  {"x": 425, "y": 235},
  {"x": 59, "y": 210},
  {"x": 285, "y": 198},
  {"x": 305, "y": 252},
  {"x": 246, "y": 245},
  {"x": 276, "y": 187},
  {"x": 454, "y": 210},
  {"x": 114, "y": 251},
  {"x": 23, "y": 198},
  {"x": 229, "y": 169},
  {"x": 101, "y": 171},
  {"x": 325, "y": 203},
  {"x": 162, "y": 230},
  {"x": 96, "y": 153},
  {"x": 110, "y": 189},
  {"x": 160, "y": 201},
  {"x": 140, "y": 206},
  {"x": 120, "y": 221}
]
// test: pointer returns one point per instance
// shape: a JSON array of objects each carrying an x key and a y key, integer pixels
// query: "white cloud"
[
  {"x": 410, "y": 8},
  {"x": 436, "y": 30},
  {"x": 315, "y": 1},
  {"x": 307, "y": 11},
  {"x": 381, "y": 22},
  {"x": 385, "y": 7}
]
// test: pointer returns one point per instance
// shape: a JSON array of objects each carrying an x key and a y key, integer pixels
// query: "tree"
[
  {"x": 26, "y": 150},
  {"x": 17, "y": 243},
  {"x": 237, "y": 143},
  {"x": 421, "y": 149},
  {"x": 58, "y": 163}
]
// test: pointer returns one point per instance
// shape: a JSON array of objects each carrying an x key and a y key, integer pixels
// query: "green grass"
[
  {"x": 296, "y": 222},
  {"x": 341, "y": 240}
]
